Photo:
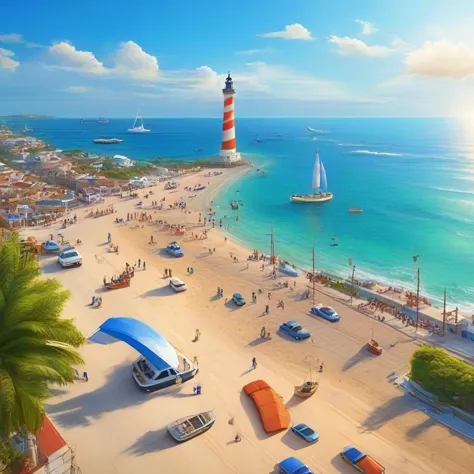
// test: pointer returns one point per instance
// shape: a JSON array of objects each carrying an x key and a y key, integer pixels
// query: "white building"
[{"x": 122, "y": 161}]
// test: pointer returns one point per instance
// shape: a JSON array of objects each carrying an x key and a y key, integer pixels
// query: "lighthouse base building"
[{"x": 228, "y": 153}]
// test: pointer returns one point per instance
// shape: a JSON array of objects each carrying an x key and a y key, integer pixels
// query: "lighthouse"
[{"x": 228, "y": 153}]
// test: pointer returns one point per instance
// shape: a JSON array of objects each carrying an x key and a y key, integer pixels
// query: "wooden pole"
[
  {"x": 444, "y": 313},
  {"x": 313, "y": 277},
  {"x": 417, "y": 298},
  {"x": 352, "y": 282}
]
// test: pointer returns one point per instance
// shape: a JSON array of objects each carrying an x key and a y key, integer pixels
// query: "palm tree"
[{"x": 37, "y": 346}]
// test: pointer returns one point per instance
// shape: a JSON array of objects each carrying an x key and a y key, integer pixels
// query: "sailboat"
[
  {"x": 140, "y": 128},
  {"x": 308, "y": 387},
  {"x": 26, "y": 129},
  {"x": 320, "y": 184}
]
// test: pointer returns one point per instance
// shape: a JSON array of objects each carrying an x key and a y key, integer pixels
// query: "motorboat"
[
  {"x": 103, "y": 121},
  {"x": 140, "y": 128},
  {"x": 174, "y": 249},
  {"x": 320, "y": 184},
  {"x": 374, "y": 348},
  {"x": 234, "y": 205},
  {"x": 150, "y": 378},
  {"x": 287, "y": 269},
  {"x": 171, "y": 185},
  {"x": 191, "y": 426},
  {"x": 107, "y": 141},
  {"x": 51, "y": 246},
  {"x": 354, "y": 210}
]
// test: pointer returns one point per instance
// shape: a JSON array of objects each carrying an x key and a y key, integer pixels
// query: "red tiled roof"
[{"x": 49, "y": 439}]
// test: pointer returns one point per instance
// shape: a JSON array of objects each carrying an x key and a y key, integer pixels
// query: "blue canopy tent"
[{"x": 143, "y": 338}]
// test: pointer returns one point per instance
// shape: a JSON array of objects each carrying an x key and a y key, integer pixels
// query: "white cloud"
[
  {"x": 296, "y": 31},
  {"x": 6, "y": 61},
  {"x": 131, "y": 60},
  {"x": 367, "y": 27},
  {"x": 74, "y": 60},
  {"x": 355, "y": 46},
  {"x": 11, "y": 38},
  {"x": 441, "y": 59},
  {"x": 250, "y": 52},
  {"x": 78, "y": 89}
]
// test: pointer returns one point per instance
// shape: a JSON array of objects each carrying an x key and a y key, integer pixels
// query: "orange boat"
[
  {"x": 120, "y": 284},
  {"x": 374, "y": 348}
]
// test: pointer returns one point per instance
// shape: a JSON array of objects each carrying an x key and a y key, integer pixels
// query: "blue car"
[
  {"x": 325, "y": 312},
  {"x": 238, "y": 299},
  {"x": 293, "y": 466},
  {"x": 305, "y": 432},
  {"x": 174, "y": 249},
  {"x": 295, "y": 330}
]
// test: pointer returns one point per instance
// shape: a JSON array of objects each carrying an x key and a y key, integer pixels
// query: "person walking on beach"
[
  {"x": 109, "y": 237},
  {"x": 267, "y": 309},
  {"x": 169, "y": 273},
  {"x": 166, "y": 273},
  {"x": 254, "y": 363},
  {"x": 197, "y": 336},
  {"x": 139, "y": 263},
  {"x": 144, "y": 265}
]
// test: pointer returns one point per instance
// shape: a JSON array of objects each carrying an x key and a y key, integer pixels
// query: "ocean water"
[{"x": 414, "y": 179}]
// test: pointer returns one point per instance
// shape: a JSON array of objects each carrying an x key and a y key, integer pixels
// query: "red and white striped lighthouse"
[{"x": 229, "y": 151}]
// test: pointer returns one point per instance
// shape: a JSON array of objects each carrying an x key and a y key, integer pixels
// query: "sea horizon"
[{"x": 411, "y": 176}]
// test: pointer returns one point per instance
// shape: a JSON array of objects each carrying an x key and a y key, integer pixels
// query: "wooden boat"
[
  {"x": 354, "y": 210},
  {"x": 120, "y": 284},
  {"x": 191, "y": 426},
  {"x": 374, "y": 348},
  {"x": 306, "y": 389}
]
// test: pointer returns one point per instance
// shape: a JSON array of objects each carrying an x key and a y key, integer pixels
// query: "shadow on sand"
[
  {"x": 259, "y": 340},
  {"x": 391, "y": 409},
  {"x": 162, "y": 291},
  {"x": 118, "y": 392},
  {"x": 294, "y": 442},
  {"x": 294, "y": 401},
  {"x": 53, "y": 267},
  {"x": 153, "y": 441},
  {"x": 252, "y": 413},
  {"x": 360, "y": 356},
  {"x": 287, "y": 337},
  {"x": 231, "y": 306},
  {"x": 164, "y": 254}
]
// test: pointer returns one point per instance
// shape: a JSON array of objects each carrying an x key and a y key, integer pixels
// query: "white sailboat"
[
  {"x": 140, "y": 128},
  {"x": 320, "y": 185},
  {"x": 27, "y": 129}
]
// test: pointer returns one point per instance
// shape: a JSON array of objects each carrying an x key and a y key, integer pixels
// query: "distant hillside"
[{"x": 25, "y": 116}]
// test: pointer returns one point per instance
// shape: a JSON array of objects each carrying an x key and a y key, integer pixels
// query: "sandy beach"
[{"x": 115, "y": 428}]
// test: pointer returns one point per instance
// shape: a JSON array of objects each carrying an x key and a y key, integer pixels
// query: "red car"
[{"x": 362, "y": 462}]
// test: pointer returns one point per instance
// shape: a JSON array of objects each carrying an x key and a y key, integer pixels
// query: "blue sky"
[{"x": 296, "y": 58}]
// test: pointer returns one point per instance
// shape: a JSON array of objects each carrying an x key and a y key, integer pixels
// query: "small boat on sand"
[
  {"x": 51, "y": 246},
  {"x": 191, "y": 426},
  {"x": 354, "y": 210},
  {"x": 374, "y": 348},
  {"x": 117, "y": 284},
  {"x": 287, "y": 269},
  {"x": 307, "y": 388}
]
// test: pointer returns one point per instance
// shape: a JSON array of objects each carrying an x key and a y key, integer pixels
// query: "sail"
[
  {"x": 316, "y": 173},
  {"x": 324, "y": 179}
]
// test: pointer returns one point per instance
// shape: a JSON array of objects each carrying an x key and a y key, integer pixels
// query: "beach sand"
[{"x": 115, "y": 428}]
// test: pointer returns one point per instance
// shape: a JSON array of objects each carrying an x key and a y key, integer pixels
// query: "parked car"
[
  {"x": 325, "y": 312},
  {"x": 70, "y": 257},
  {"x": 295, "y": 330},
  {"x": 293, "y": 466},
  {"x": 238, "y": 299},
  {"x": 305, "y": 432},
  {"x": 174, "y": 249},
  {"x": 178, "y": 285},
  {"x": 362, "y": 462}
]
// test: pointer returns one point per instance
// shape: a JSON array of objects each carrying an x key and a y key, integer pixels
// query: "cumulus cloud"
[
  {"x": 367, "y": 27},
  {"x": 78, "y": 89},
  {"x": 441, "y": 59},
  {"x": 355, "y": 46},
  {"x": 6, "y": 61},
  {"x": 296, "y": 31},
  {"x": 131, "y": 60},
  {"x": 72, "y": 59}
]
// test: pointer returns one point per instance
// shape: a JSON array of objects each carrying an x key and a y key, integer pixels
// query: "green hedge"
[{"x": 450, "y": 379}]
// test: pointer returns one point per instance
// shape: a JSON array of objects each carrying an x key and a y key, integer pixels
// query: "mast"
[
  {"x": 313, "y": 278},
  {"x": 316, "y": 173},
  {"x": 444, "y": 313}
]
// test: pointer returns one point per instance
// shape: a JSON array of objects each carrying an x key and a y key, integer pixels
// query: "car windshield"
[
  {"x": 328, "y": 310},
  {"x": 177, "y": 284},
  {"x": 297, "y": 328},
  {"x": 302, "y": 470},
  {"x": 307, "y": 431},
  {"x": 70, "y": 255}
]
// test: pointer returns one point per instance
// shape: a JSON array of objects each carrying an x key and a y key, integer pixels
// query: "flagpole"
[{"x": 352, "y": 282}]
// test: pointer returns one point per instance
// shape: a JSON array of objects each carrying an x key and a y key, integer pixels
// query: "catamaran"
[
  {"x": 140, "y": 128},
  {"x": 320, "y": 185}
]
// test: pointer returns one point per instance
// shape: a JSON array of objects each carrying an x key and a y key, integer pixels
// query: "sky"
[{"x": 298, "y": 58}]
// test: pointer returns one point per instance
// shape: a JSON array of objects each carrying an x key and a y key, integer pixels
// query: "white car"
[
  {"x": 70, "y": 257},
  {"x": 177, "y": 285}
]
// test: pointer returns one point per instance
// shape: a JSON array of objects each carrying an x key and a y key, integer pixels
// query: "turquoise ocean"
[{"x": 413, "y": 178}]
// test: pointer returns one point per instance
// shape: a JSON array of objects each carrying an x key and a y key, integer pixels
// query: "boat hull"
[
  {"x": 180, "y": 437},
  {"x": 116, "y": 286},
  {"x": 311, "y": 198}
]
